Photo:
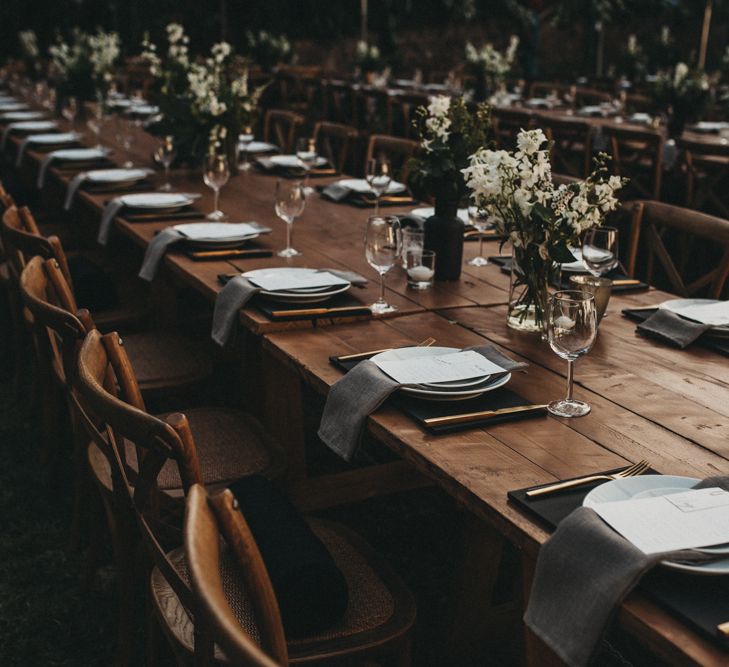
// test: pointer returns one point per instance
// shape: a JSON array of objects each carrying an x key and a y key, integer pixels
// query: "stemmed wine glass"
[
  {"x": 307, "y": 155},
  {"x": 216, "y": 173},
  {"x": 165, "y": 154},
  {"x": 600, "y": 250},
  {"x": 69, "y": 109},
  {"x": 571, "y": 329},
  {"x": 481, "y": 222},
  {"x": 125, "y": 136},
  {"x": 383, "y": 246},
  {"x": 244, "y": 142},
  {"x": 290, "y": 203},
  {"x": 379, "y": 177}
]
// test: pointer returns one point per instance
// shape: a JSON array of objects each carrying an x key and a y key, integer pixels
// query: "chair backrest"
[
  {"x": 402, "y": 112},
  {"x": 207, "y": 519},
  {"x": 335, "y": 142},
  {"x": 280, "y": 127},
  {"x": 669, "y": 235},
  {"x": 507, "y": 124},
  {"x": 373, "y": 110},
  {"x": 637, "y": 154},
  {"x": 397, "y": 150},
  {"x": 339, "y": 102},
  {"x": 572, "y": 143},
  {"x": 590, "y": 96},
  {"x": 112, "y": 411},
  {"x": 707, "y": 175}
]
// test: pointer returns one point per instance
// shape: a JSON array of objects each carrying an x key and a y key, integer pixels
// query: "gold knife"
[
  {"x": 362, "y": 355},
  {"x": 723, "y": 628},
  {"x": 479, "y": 416},
  {"x": 303, "y": 312},
  {"x": 625, "y": 282}
]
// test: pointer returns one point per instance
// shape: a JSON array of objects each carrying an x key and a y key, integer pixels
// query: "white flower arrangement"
[
  {"x": 490, "y": 60},
  {"x": 88, "y": 61},
  {"x": 29, "y": 44},
  {"x": 516, "y": 190},
  {"x": 368, "y": 56}
]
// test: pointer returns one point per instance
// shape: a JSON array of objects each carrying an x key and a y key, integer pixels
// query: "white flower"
[{"x": 528, "y": 142}]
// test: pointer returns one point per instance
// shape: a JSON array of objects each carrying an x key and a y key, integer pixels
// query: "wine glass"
[
  {"x": 165, "y": 155},
  {"x": 69, "y": 109},
  {"x": 481, "y": 222},
  {"x": 244, "y": 142},
  {"x": 379, "y": 177},
  {"x": 126, "y": 137},
  {"x": 600, "y": 250},
  {"x": 95, "y": 114},
  {"x": 383, "y": 246},
  {"x": 571, "y": 330},
  {"x": 215, "y": 175},
  {"x": 290, "y": 202}
]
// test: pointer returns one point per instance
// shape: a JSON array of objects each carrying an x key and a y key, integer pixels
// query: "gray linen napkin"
[
  {"x": 236, "y": 294},
  {"x": 584, "y": 571},
  {"x": 107, "y": 217},
  {"x": 350, "y": 276},
  {"x": 6, "y": 133},
  {"x": 156, "y": 251},
  {"x": 361, "y": 391},
  {"x": 671, "y": 328},
  {"x": 43, "y": 169},
  {"x": 23, "y": 146},
  {"x": 73, "y": 187},
  {"x": 336, "y": 192}
]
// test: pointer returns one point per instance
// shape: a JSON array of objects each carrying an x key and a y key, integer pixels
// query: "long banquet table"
[{"x": 649, "y": 401}]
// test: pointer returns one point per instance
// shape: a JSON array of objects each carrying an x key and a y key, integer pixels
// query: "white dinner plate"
[
  {"x": 362, "y": 186},
  {"x": 653, "y": 486},
  {"x": 54, "y": 139},
  {"x": 296, "y": 294},
  {"x": 217, "y": 239},
  {"x": 258, "y": 147},
  {"x": 13, "y": 116},
  {"x": 159, "y": 200},
  {"x": 116, "y": 176},
  {"x": 678, "y": 305},
  {"x": 292, "y": 162},
  {"x": 427, "y": 211},
  {"x": 12, "y": 106},
  {"x": 143, "y": 109},
  {"x": 441, "y": 394},
  {"x": 34, "y": 126},
  {"x": 76, "y": 154},
  {"x": 709, "y": 127}
]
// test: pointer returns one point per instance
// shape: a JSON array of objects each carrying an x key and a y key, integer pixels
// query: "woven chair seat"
[
  {"x": 163, "y": 359},
  {"x": 375, "y": 607}
]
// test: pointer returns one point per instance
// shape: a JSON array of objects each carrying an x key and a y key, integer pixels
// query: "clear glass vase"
[{"x": 529, "y": 290}]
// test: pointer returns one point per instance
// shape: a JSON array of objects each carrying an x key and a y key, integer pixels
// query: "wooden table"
[{"x": 649, "y": 401}]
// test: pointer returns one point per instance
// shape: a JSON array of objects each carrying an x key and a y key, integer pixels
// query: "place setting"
[
  {"x": 73, "y": 158},
  {"x": 104, "y": 181},
  {"x": 304, "y": 162},
  {"x": 46, "y": 142},
  {"x": 26, "y": 127},
  {"x": 287, "y": 293}
]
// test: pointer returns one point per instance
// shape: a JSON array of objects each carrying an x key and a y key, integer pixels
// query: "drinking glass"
[
  {"x": 420, "y": 268},
  {"x": 125, "y": 136},
  {"x": 165, "y": 154},
  {"x": 481, "y": 222},
  {"x": 571, "y": 330},
  {"x": 215, "y": 175},
  {"x": 244, "y": 141},
  {"x": 383, "y": 245},
  {"x": 379, "y": 177},
  {"x": 290, "y": 203},
  {"x": 412, "y": 239},
  {"x": 69, "y": 109},
  {"x": 95, "y": 115},
  {"x": 600, "y": 250}
]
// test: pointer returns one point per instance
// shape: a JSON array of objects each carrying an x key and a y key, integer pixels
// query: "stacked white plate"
[
  {"x": 12, "y": 106},
  {"x": 653, "y": 486},
  {"x": 35, "y": 126},
  {"x": 293, "y": 162},
  {"x": 54, "y": 139},
  {"x": 14, "y": 116},
  {"x": 256, "y": 146},
  {"x": 220, "y": 235},
  {"x": 362, "y": 186},
  {"x": 120, "y": 177},
  {"x": 167, "y": 201},
  {"x": 455, "y": 390},
  {"x": 295, "y": 285},
  {"x": 680, "y": 306},
  {"x": 80, "y": 154}
]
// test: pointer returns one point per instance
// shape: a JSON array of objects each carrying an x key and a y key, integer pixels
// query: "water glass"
[
  {"x": 412, "y": 239},
  {"x": 420, "y": 267},
  {"x": 379, "y": 177},
  {"x": 600, "y": 250},
  {"x": 482, "y": 223},
  {"x": 383, "y": 246},
  {"x": 244, "y": 142},
  {"x": 165, "y": 155},
  {"x": 216, "y": 173},
  {"x": 290, "y": 203},
  {"x": 571, "y": 331}
]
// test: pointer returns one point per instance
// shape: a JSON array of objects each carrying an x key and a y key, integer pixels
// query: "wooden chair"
[
  {"x": 373, "y": 110},
  {"x": 143, "y": 465},
  {"x": 339, "y": 102},
  {"x": 397, "y": 150},
  {"x": 637, "y": 154},
  {"x": 507, "y": 123},
  {"x": 572, "y": 149},
  {"x": 228, "y": 616},
  {"x": 590, "y": 96},
  {"x": 402, "y": 112},
  {"x": 678, "y": 242},
  {"x": 336, "y": 142},
  {"x": 706, "y": 167},
  {"x": 280, "y": 127}
]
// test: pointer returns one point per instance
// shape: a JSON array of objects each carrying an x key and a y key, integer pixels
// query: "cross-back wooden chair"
[
  {"x": 637, "y": 154},
  {"x": 336, "y": 142},
  {"x": 339, "y": 104},
  {"x": 706, "y": 167},
  {"x": 402, "y": 113},
  {"x": 572, "y": 148},
  {"x": 262, "y": 642},
  {"x": 397, "y": 150},
  {"x": 280, "y": 127},
  {"x": 676, "y": 240},
  {"x": 143, "y": 465},
  {"x": 508, "y": 123},
  {"x": 373, "y": 110}
]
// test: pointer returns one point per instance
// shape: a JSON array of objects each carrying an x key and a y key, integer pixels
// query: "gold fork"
[
  {"x": 365, "y": 355},
  {"x": 636, "y": 469}
]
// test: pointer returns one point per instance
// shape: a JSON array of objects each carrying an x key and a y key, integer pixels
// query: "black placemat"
[
  {"x": 700, "y": 601},
  {"x": 347, "y": 300},
  {"x": 715, "y": 344}
]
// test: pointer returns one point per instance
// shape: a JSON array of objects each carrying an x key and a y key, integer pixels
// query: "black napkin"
[
  {"x": 343, "y": 195},
  {"x": 671, "y": 328},
  {"x": 268, "y": 308},
  {"x": 311, "y": 591}
]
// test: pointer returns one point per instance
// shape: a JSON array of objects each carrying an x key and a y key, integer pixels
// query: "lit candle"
[{"x": 420, "y": 273}]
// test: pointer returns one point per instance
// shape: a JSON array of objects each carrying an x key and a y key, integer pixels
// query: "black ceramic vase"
[{"x": 444, "y": 235}]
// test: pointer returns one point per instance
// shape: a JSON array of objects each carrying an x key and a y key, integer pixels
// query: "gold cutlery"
[
  {"x": 631, "y": 471},
  {"x": 723, "y": 628},
  {"x": 624, "y": 282},
  {"x": 482, "y": 416},
  {"x": 304, "y": 312},
  {"x": 366, "y": 355},
  {"x": 233, "y": 253}
]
